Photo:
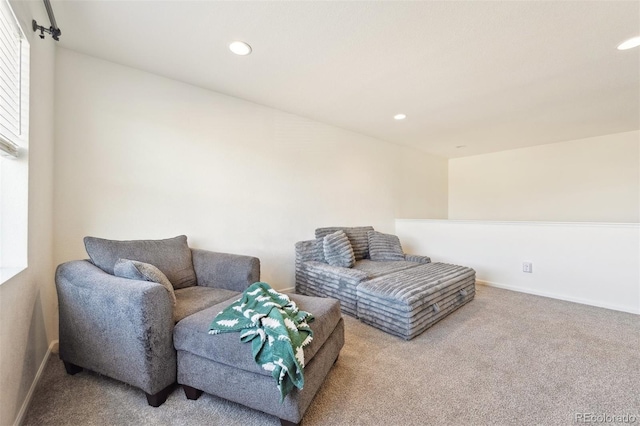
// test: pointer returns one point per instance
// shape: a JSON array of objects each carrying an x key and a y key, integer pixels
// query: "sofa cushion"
[
  {"x": 375, "y": 269},
  {"x": 192, "y": 334},
  {"x": 172, "y": 256},
  {"x": 134, "y": 270},
  {"x": 384, "y": 246},
  {"x": 357, "y": 237},
  {"x": 194, "y": 299},
  {"x": 337, "y": 250},
  {"x": 408, "y": 302}
]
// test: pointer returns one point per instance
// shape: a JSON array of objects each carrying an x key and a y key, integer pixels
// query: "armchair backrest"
[
  {"x": 172, "y": 256},
  {"x": 224, "y": 270},
  {"x": 357, "y": 237}
]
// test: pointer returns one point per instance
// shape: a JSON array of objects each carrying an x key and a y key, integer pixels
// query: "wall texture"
[
  {"x": 141, "y": 156},
  {"x": 587, "y": 180},
  {"x": 28, "y": 301}
]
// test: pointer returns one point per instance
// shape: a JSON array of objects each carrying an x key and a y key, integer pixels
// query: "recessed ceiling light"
[
  {"x": 400, "y": 116},
  {"x": 240, "y": 48},
  {"x": 630, "y": 44}
]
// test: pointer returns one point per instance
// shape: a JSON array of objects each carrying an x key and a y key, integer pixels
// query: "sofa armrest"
[
  {"x": 417, "y": 258},
  {"x": 115, "y": 326},
  {"x": 310, "y": 250},
  {"x": 352, "y": 275},
  {"x": 223, "y": 270}
]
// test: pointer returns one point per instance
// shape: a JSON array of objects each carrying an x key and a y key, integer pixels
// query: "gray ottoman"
[
  {"x": 408, "y": 302},
  {"x": 223, "y": 366}
]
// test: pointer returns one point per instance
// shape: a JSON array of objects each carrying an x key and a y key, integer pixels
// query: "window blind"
[{"x": 10, "y": 81}]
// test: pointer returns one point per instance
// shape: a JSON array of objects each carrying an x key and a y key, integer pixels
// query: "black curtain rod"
[{"x": 53, "y": 29}]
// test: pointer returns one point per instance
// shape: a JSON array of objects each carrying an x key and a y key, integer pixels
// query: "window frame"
[{"x": 14, "y": 147}]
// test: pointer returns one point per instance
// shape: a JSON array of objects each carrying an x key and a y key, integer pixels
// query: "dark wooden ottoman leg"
[
  {"x": 191, "y": 393},
  {"x": 284, "y": 422},
  {"x": 159, "y": 398},
  {"x": 72, "y": 368}
]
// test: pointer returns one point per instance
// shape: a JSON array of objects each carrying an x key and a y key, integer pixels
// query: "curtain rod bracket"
[{"x": 53, "y": 29}]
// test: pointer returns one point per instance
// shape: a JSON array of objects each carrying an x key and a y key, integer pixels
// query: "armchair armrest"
[
  {"x": 223, "y": 270},
  {"x": 417, "y": 258},
  {"x": 115, "y": 326}
]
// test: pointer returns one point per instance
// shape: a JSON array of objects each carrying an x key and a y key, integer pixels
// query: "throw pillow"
[
  {"x": 384, "y": 246},
  {"x": 357, "y": 237},
  {"x": 134, "y": 270},
  {"x": 172, "y": 256},
  {"x": 337, "y": 250}
]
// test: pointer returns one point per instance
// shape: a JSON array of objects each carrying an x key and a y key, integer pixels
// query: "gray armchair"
[{"x": 123, "y": 328}]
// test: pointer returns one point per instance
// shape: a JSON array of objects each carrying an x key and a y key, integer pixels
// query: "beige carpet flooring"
[{"x": 506, "y": 358}]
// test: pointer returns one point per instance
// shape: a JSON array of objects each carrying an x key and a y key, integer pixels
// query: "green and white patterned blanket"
[{"x": 277, "y": 329}]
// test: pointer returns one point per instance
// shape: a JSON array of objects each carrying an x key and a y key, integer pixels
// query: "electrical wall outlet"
[{"x": 527, "y": 267}]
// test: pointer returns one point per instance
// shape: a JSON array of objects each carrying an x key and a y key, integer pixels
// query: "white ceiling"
[{"x": 492, "y": 75}]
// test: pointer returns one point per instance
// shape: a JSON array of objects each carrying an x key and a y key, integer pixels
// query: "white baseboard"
[
  {"x": 556, "y": 296},
  {"x": 27, "y": 399}
]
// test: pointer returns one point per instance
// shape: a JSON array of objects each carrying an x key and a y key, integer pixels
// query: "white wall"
[
  {"x": 593, "y": 263},
  {"x": 142, "y": 156},
  {"x": 587, "y": 180},
  {"x": 28, "y": 301},
  {"x": 422, "y": 185}
]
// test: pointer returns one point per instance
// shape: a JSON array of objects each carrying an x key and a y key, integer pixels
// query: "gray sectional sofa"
[
  {"x": 315, "y": 277},
  {"x": 399, "y": 293}
]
